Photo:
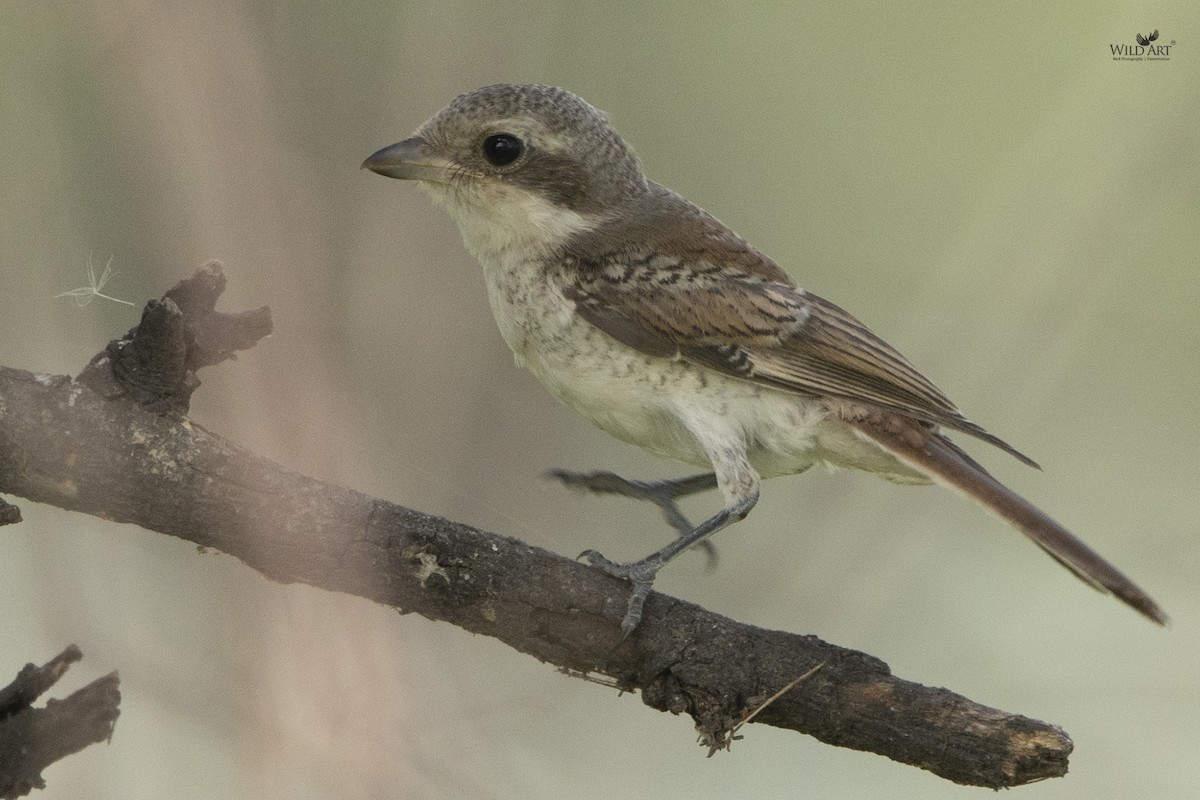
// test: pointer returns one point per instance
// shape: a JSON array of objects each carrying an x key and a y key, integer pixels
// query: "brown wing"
[{"x": 752, "y": 327}]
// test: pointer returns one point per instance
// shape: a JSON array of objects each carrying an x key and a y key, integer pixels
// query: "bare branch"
[
  {"x": 115, "y": 443},
  {"x": 32, "y": 739}
]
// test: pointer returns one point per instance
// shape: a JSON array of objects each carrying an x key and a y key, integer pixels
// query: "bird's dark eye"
[{"x": 502, "y": 149}]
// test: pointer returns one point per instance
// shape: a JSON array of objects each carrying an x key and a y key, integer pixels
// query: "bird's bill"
[{"x": 409, "y": 160}]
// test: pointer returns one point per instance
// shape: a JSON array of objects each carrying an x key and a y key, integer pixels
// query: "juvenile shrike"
[{"x": 669, "y": 331}]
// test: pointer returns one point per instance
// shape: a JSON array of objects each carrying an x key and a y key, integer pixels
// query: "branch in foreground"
[
  {"x": 98, "y": 446},
  {"x": 32, "y": 739}
]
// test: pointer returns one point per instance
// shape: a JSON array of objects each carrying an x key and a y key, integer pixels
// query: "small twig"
[
  {"x": 732, "y": 734},
  {"x": 611, "y": 683},
  {"x": 790, "y": 685}
]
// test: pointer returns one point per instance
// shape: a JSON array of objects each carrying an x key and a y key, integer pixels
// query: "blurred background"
[{"x": 982, "y": 184}]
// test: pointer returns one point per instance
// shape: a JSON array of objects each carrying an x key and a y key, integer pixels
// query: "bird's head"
[{"x": 518, "y": 165}]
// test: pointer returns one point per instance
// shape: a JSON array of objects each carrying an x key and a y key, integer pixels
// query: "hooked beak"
[{"x": 409, "y": 160}]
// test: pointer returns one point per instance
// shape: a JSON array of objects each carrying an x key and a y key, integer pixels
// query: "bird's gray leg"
[
  {"x": 739, "y": 485},
  {"x": 662, "y": 493}
]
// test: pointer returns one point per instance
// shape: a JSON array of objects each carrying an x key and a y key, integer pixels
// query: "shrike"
[{"x": 669, "y": 331}]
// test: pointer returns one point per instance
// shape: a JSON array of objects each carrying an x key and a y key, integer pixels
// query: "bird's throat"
[{"x": 498, "y": 221}]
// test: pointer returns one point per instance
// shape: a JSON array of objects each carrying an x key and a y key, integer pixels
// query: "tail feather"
[{"x": 928, "y": 451}]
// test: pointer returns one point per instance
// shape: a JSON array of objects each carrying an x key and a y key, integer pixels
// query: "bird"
[
  {"x": 669, "y": 331},
  {"x": 1145, "y": 40}
]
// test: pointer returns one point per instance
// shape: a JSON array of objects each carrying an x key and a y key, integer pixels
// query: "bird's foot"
[{"x": 639, "y": 573}]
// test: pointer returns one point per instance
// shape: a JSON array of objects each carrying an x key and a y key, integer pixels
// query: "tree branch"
[
  {"x": 32, "y": 739},
  {"x": 115, "y": 443}
]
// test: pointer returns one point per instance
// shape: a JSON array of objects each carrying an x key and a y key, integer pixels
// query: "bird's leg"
[
  {"x": 662, "y": 493},
  {"x": 739, "y": 485},
  {"x": 641, "y": 573}
]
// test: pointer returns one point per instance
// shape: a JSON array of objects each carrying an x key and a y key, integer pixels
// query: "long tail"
[{"x": 932, "y": 453}]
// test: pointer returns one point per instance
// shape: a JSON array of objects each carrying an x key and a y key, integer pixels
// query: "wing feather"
[{"x": 756, "y": 328}]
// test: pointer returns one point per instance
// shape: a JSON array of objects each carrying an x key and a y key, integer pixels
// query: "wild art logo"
[{"x": 1144, "y": 50}]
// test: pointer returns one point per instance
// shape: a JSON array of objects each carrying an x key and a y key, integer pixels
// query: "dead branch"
[
  {"x": 115, "y": 442},
  {"x": 32, "y": 739}
]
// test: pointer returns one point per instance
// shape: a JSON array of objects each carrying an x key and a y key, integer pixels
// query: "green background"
[{"x": 983, "y": 185}]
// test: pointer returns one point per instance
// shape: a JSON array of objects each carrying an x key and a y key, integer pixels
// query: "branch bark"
[{"x": 115, "y": 442}]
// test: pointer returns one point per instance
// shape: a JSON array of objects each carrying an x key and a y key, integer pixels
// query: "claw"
[
  {"x": 633, "y": 611},
  {"x": 663, "y": 494},
  {"x": 639, "y": 573}
]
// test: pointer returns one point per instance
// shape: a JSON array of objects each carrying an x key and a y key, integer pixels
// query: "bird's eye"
[{"x": 502, "y": 149}]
